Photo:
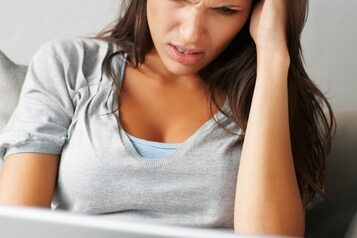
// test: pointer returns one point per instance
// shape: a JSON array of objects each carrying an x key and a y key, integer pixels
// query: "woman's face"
[{"x": 189, "y": 34}]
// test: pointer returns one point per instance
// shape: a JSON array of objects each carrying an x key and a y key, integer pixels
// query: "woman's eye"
[
  {"x": 178, "y": 0},
  {"x": 226, "y": 10}
]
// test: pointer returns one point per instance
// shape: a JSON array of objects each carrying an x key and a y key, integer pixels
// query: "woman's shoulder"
[
  {"x": 79, "y": 58},
  {"x": 76, "y": 48}
]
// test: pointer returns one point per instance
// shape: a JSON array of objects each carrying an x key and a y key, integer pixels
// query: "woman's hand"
[{"x": 268, "y": 26}]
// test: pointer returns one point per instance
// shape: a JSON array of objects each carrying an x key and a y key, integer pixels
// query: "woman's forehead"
[{"x": 215, "y": 3}]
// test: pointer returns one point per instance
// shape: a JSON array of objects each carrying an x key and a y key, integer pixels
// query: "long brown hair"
[{"x": 233, "y": 72}]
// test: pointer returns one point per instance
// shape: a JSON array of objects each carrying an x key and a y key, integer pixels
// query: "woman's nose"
[{"x": 193, "y": 26}]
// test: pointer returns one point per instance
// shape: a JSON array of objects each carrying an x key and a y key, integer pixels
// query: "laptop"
[{"x": 18, "y": 222}]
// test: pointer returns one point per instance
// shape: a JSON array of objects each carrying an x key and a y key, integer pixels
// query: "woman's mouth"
[{"x": 186, "y": 56}]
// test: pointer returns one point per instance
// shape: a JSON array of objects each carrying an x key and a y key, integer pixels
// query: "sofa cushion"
[
  {"x": 11, "y": 79},
  {"x": 332, "y": 216},
  {"x": 352, "y": 229}
]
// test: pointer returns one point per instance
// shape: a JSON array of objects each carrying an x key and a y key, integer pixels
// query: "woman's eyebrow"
[{"x": 239, "y": 4}]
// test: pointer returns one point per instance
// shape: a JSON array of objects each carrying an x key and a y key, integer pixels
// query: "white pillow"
[{"x": 12, "y": 77}]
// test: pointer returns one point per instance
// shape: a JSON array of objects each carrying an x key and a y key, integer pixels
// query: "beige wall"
[
  {"x": 25, "y": 25},
  {"x": 330, "y": 47}
]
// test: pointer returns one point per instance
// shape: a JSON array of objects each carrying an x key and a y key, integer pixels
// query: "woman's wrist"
[
  {"x": 279, "y": 54},
  {"x": 273, "y": 61}
]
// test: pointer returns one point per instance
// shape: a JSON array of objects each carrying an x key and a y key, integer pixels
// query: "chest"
[{"x": 168, "y": 114}]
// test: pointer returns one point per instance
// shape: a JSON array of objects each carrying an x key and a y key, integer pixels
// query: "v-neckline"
[{"x": 180, "y": 149}]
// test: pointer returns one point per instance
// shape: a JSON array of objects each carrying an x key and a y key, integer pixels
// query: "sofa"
[
  {"x": 11, "y": 79},
  {"x": 335, "y": 216}
]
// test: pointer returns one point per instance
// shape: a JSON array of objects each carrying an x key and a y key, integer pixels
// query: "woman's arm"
[
  {"x": 40, "y": 122},
  {"x": 28, "y": 179},
  {"x": 267, "y": 194}
]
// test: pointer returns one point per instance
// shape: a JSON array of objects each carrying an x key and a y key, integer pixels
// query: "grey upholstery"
[
  {"x": 352, "y": 230},
  {"x": 329, "y": 218},
  {"x": 11, "y": 79}
]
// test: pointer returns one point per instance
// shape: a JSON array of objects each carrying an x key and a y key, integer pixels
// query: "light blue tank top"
[{"x": 151, "y": 149}]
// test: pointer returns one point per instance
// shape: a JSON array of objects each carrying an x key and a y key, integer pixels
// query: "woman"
[{"x": 165, "y": 144}]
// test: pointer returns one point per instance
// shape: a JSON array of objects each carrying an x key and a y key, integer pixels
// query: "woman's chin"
[{"x": 182, "y": 70}]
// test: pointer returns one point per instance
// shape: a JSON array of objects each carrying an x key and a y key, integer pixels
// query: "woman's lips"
[{"x": 186, "y": 56}]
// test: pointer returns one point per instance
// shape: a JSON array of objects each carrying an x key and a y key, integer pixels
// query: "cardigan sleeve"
[{"x": 45, "y": 109}]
